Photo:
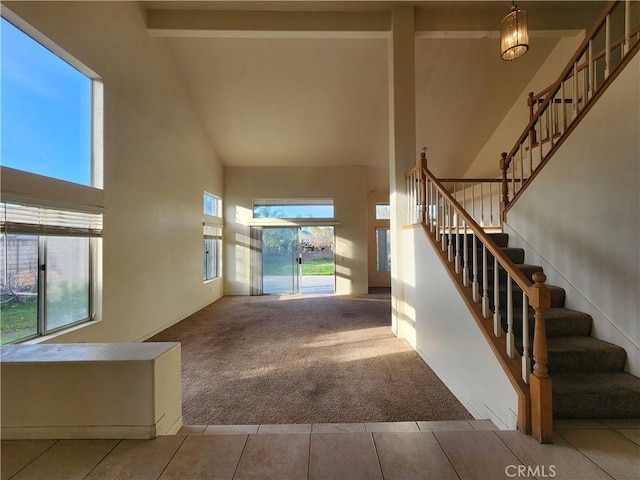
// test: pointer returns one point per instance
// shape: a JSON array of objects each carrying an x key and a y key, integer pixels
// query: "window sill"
[{"x": 52, "y": 336}]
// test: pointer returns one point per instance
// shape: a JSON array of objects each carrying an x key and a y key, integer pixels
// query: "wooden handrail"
[
  {"x": 554, "y": 125},
  {"x": 537, "y": 97},
  {"x": 523, "y": 282},
  {"x": 557, "y": 84},
  {"x": 534, "y": 414}
]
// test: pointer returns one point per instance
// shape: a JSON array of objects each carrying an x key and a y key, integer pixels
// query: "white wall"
[
  {"x": 346, "y": 185},
  {"x": 487, "y": 162},
  {"x": 448, "y": 338},
  {"x": 157, "y": 163},
  {"x": 580, "y": 218}
]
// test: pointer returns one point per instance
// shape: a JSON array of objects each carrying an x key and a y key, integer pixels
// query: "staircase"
[{"x": 588, "y": 377}]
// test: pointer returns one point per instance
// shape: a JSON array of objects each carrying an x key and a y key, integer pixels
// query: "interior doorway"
[{"x": 297, "y": 260}]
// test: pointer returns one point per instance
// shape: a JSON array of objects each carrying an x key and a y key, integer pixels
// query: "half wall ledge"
[{"x": 91, "y": 390}]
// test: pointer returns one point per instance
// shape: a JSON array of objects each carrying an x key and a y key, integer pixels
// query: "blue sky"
[{"x": 45, "y": 110}]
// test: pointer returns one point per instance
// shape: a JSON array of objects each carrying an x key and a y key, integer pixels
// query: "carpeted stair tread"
[
  {"x": 584, "y": 354},
  {"x": 557, "y": 296},
  {"x": 500, "y": 239},
  {"x": 515, "y": 254},
  {"x": 612, "y": 395},
  {"x": 559, "y": 322},
  {"x": 587, "y": 373},
  {"x": 564, "y": 322}
]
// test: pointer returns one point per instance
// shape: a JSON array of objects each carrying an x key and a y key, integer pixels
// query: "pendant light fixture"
[{"x": 514, "y": 34}]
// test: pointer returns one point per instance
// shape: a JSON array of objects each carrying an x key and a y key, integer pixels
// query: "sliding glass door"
[{"x": 281, "y": 260}]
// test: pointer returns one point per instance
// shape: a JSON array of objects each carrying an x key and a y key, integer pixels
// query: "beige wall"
[
  {"x": 157, "y": 163},
  {"x": 487, "y": 162},
  {"x": 346, "y": 185},
  {"x": 447, "y": 337},
  {"x": 580, "y": 218}
]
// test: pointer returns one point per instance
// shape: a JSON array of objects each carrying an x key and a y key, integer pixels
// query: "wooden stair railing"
[
  {"x": 467, "y": 250},
  {"x": 585, "y": 78}
]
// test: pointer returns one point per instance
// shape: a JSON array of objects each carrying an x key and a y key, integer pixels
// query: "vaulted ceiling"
[{"x": 306, "y": 82}]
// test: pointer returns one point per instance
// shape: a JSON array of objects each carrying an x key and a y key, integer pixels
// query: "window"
[
  {"x": 383, "y": 211},
  {"x": 293, "y": 208},
  {"x": 51, "y": 111},
  {"x": 212, "y": 205},
  {"x": 46, "y": 278},
  {"x": 212, "y": 249},
  {"x": 383, "y": 249},
  {"x": 212, "y": 236}
]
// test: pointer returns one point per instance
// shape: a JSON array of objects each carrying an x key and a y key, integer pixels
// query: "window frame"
[
  {"x": 212, "y": 230},
  {"x": 216, "y": 238},
  {"x": 26, "y": 188},
  {"x": 300, "y": 203},
  {"x": 388, "y": 247},
  {"x": 19, "y": 219},
  {"x": 97, "y": 98}
]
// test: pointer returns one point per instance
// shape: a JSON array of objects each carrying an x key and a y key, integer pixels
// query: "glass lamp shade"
[{"x": 514, "y": 35}]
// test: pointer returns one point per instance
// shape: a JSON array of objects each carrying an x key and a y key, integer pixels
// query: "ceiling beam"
[
  {"x": 440, "y": 20},
  {"x": 209, "y": 23}
]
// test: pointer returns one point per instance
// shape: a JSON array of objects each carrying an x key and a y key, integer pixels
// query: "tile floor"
[{"x": 582, "y": 450}]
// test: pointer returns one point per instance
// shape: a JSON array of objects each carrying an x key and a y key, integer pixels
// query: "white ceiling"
[{"x": 296, "y": 99}]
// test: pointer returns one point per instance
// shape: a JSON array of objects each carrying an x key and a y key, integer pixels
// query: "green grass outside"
[
  {"x": 318, "y": 266},
  {"x": 314, "y": 266},
  {"x": 18, "y": 320}
]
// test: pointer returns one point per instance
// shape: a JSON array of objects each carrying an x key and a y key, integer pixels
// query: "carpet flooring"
[{"x": 303, "y": 359}]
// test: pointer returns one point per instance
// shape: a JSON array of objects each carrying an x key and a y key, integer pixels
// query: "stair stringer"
[
  {"x": 448, "y": 338},
  {"x": 580, "y": 218}
]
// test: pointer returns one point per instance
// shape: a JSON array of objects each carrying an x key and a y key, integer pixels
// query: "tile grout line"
[
  {"x": 583, "y": 454},
  {"x": 246, "y": 441},
  {"x": 375, "y": 448},
  {"x": 102, "y": 459},
  {"x": 173, "y": 456},
  {"x": 309, "y": 457},
  {"x": 36, "y": 457},
  {"x": 446, "y": 455}
]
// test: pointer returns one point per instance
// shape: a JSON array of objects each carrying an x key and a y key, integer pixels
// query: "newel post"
[
  {"x": 504, "y": 166},
  {"x": 530, "y": 103},
  {"x": 423, "y": 185},
  {"x": 539, "y": 381}
]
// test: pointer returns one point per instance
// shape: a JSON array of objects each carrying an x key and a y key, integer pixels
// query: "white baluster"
[
  {"x": 445, "y": 222},
  {"x": 590, "y": 72},
  {"x": 607, "y": 46},
  {"x": 485, "y": 283},
  {"x": 511, "y": 339},
  {"x": 497, "y": 318},
  {"x": 576, "y": 98},
  {"x": 474, "y": 285},
  {"x": 457, "y": 248},
  {"x": 526, "y": 357},
  {"x": 563, "y": 113},
  {"x": 438, "y": 214},
  {"x": 490, "y": 205},
  {"x": 482, "y": 224},
  {"x": 450, "y": 235},
  {"x": 530, "y": 137},
  {"x": 627, "y": 28},
  {"x": 521, "y": 167},
  {"x": 465, "y": 256},
  {"x": 409, "y": 200},
  {"x": 539, "y": 123},
  {"x": 432, "y": 211},
  {"x": 513, "y": 173}
]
